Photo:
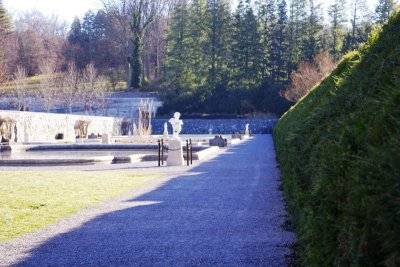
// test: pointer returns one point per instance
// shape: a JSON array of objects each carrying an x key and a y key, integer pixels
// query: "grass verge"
[{"x": 32, "y": 200}]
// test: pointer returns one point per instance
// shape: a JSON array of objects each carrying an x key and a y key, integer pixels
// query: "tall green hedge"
[{"x": 339, "y": 149}]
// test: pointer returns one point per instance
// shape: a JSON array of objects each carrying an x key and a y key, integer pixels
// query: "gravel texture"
[{"x": 226, "y": 211}]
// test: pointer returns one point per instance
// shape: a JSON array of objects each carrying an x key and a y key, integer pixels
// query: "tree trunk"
[
  {"x": 128, "y": 76},
  {"x": 137, "y": 64}
]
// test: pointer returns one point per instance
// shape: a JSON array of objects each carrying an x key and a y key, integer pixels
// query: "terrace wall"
[{"x": 39, "y": 127}]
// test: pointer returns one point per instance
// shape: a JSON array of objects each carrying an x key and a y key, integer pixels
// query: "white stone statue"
[
  {"x": 175, "y": 151},
  {"x": 176, "y": 124},
  {"x": 246, "y": 132},
  {"x": 165, "y": 134}
]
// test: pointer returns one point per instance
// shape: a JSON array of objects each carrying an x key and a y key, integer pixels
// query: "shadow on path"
[{"x": 227, "y": 211}]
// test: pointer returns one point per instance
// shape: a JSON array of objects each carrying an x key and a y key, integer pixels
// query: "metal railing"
[{"x": 161, "y": 148}]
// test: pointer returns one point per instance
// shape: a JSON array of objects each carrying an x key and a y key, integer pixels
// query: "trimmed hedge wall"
[{"x": 339, "y": 149}]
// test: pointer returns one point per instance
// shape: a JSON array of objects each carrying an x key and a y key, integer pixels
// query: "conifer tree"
[
  {"x": 298, "y": 22},
  {"x": 313, "y": 40},
  {"x": 5, "y": 23},
  {"x": 178, "y": 74},
  {"x": 337, "y": 18},
  {"x": 384, "y": 9},
  {"x": 196, "y": 42},
  {"x": 246, "y": 47},
  {"x": 361, "y": 25},
  {"x": 5, "y": 28},
  {"x": 279, "y": 53},
  {"x": 75, "y": 33},
  {"x": 217, "y": 27},
  {"x": 268, "y": 21}
]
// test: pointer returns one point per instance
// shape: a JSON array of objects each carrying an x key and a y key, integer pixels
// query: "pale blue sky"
[
  {"x": 68, "y": 9},
  {"x": 65, "y": 9}
]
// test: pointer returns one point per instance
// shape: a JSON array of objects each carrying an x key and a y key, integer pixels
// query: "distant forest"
[{"x": 199, "y": 55}]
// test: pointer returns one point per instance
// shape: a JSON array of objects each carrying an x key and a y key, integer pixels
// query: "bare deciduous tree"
[
  {"x": 48, "y": 86},
  {"x": 101, "y": 92},
  {"x": 21, "y": 89},
  {"x": 119, "y": 10},
  {"x": 36, "y": 38},
  {"x": 70, "y": 86},
  {"x": 92, "y": 89},
  {"x": 134, "y": 17},
  {"x": 308, "y": 75}
]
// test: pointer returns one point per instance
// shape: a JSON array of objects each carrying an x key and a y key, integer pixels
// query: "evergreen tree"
[
  {"x": 5, "y": 23},
  {"x": 178, "y": 74},
  {"x": 196, "y": 42},
  {"x": 298, "y": 22},
  {"x": 384, "y": 9},
  {"x": 279, "y": 53},
  {"x": 89, "y": 37},
  {"x": 246, "y": 48},
  {"x": 337, "y": 15},
  {"x": 217, "y": 20},
  {"x": 268, "y": 21},
  {"x": 5, "y": 28},
  {"x": 88, "y": 26},
  {"x": 75, "y": 33},
  {"x": 313, "y": 39},
  {"x": 100, "y": 25},
  {"x": 361, "y": 25}
]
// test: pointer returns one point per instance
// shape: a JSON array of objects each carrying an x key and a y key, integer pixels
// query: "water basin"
[{"x": 72, "y": 154}]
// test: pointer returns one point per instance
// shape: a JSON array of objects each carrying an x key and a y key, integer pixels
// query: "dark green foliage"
[
  {"x": 297, "y": 31},
  {"x": 90, "y": 42},
  {"x": 337, "y": 14},
  {"x": 179, "y": 75},
  {"x": 75, "y": 33},
  {"x": 246, "y": 48},
  {"x": 279, "y": 54},
  {"x": 216, "y": 62},
  {"x": 5, "y": 28},
  {"x": 339, "y": 151},
  {"x": 384, "y": 9},
  {"x": 5, "y": 24},
  {"x": 312, "y": 45},
  {"x": 216, "y": 42}
]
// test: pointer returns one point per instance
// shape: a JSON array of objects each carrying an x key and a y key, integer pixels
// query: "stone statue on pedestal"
[
  {"x": 175, "y": 151},
  {"x": 246, "y": 132}
]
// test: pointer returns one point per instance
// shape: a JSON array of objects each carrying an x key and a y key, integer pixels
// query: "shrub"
[{"x": 340, "y": 152}]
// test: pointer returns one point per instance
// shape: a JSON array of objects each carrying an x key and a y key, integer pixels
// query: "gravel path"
[{"x": 226, "y": 211}]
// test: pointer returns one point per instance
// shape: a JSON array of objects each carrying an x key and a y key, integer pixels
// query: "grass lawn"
[
  {"x": 33, "y": 84},
  {"x": 31, "y": 200}
]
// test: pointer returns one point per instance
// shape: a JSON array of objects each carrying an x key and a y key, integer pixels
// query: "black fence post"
[
  {"x": 191, "y": 152},
  {"x": 159, "y": 153},
  {"x": 162, "y": 152},
  {"x": 187, "y": 152}
]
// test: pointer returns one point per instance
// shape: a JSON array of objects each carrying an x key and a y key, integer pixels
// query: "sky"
[
  {"x": 68, "y": 9},
  {"x": 65, "y": 9}
]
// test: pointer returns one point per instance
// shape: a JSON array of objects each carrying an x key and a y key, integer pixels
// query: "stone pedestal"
[
  {"x": 175, "y": 152},
  {"x": 106, "y": 139}
]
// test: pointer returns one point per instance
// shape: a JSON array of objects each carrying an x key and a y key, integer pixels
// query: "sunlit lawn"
[
  {"x": 31, "y": 200},
  {"x": 33, "y": 83}
]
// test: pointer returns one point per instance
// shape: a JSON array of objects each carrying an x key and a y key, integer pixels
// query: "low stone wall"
[
  {"x": 218, "y": 126},
  {"x": 43, "y": 127}
]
